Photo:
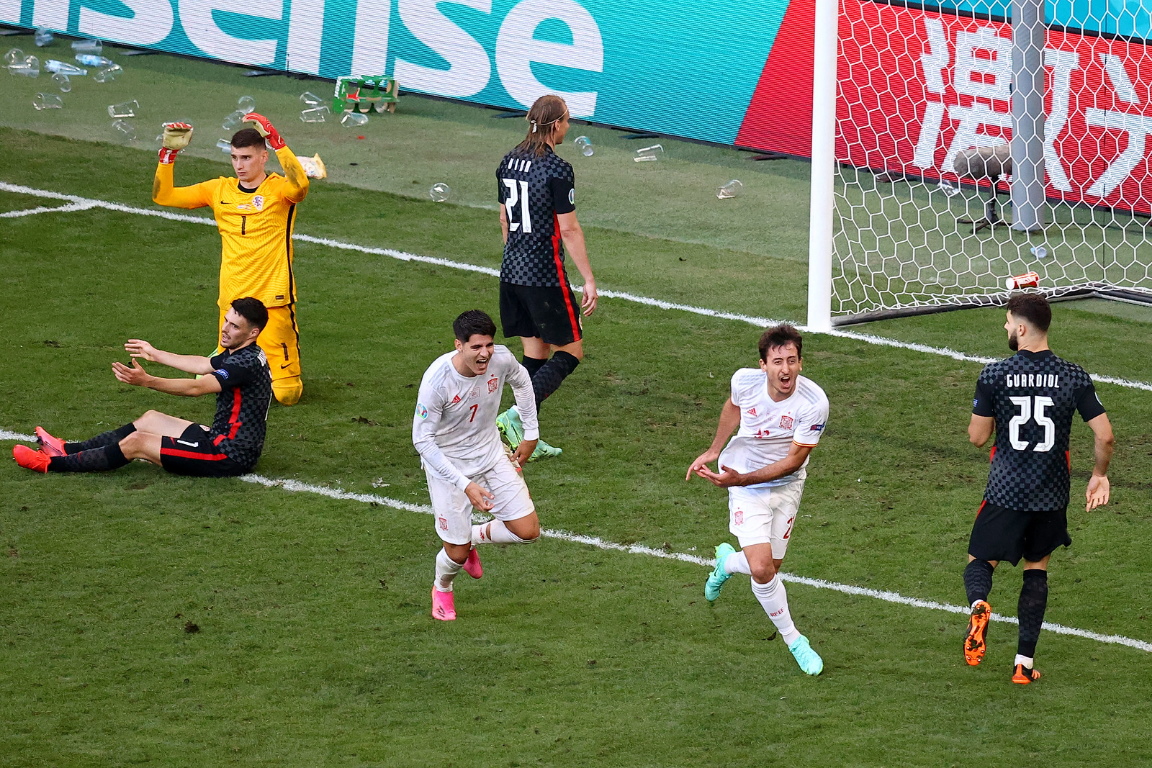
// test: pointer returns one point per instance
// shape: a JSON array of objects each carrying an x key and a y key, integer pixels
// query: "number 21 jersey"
[{"x": 533, "y": 190}]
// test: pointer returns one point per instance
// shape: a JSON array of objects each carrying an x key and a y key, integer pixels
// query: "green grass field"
[{"x": 314, "y": 644}]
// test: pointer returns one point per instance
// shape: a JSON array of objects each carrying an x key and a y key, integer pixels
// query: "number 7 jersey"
[
  {"x": 1032, "y": 396},
  {"x": 533, "y": 189}
]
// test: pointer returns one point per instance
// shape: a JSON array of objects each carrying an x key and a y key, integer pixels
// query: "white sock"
[
  {"x": 737, "y": 563},
  {"x": 446, "y": 570},
  {"x": 495, "y": 532},
  {"x": 1025, "y": 660},
  {"x": 774, "y": 599}
]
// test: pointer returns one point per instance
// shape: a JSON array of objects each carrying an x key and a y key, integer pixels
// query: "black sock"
[
  {"x": 111, "y": 437},
  {"x": 1030, "y": 610},
  {"x": 552, "y": 374},
  {"x": 978, "y": 580},
  {"x": 533, "y": 364},
  {"x": 92, "y": 460}
]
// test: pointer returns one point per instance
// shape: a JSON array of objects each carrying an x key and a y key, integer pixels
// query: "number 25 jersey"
[{"x": 1032, "y": 396}]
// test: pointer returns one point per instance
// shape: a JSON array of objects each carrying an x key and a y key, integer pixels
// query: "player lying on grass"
[
  {"x": 255, "y": 213},
  {"x": 454, "y": 430},
  {"x": 780, "y": 415},
  {"x": 231, "y": 446}
]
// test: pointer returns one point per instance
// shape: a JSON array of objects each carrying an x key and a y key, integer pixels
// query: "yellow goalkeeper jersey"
[{"x": 255, "y": 228}]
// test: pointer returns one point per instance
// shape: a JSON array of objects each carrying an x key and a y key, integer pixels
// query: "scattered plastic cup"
[
  {"x": 13, "y": 56},
  {"x": 28, "y": 67},
  {"x": 124, "y": 129},
  {"x": 92, "y": 60},
  {"x": 43, "y": 37},
  {"x": 353, "y": 120},
  {"x": 234, "y": 120},
  {"x": 649, "y": 154},
  {"x": 311, "y": 99},
  {"x": 315, "y": 114},
  {"x": 1026, "y": 280},
  {"x": 87, "y": 46},
  {"x": 440, "y": 192},
  {"x": 64, "y": 68},
  {"x": 585, "y": 145},
  {"x": 107, "y": 74},
  {"x": 1039, "y": 251},
  {"x": 47, "y": 101},
  {"x": 123, "y": 109},
  {"x": 730, "y": 190},
  {"x": 224, "y": 145},
  {"x": 246, "y": 104},
  {"x": 63, "y": 82}
]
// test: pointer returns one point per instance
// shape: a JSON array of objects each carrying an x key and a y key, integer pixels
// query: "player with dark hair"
[
  {"x": 537, "y": 195},
  {"x": 1028, "y": 400},
  {"x": 454, "y": 431},
  {"x": 256, "y": 214},
  {"x": 231, "y": 446},
  {"x": 781, "y": 416}
]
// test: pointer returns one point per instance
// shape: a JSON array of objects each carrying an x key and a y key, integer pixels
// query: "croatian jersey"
[
  {"x": 241, "y": 404},
  {"x": 454, "y": 428},
  {"x": 1032, "y": 396},
  {"x": 533, "y": 190},
  {"x": 768, "y": 428},
  {"x": 255, "y": 228}
]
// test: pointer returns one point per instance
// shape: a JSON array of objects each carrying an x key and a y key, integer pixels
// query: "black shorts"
[
  {"x": 549, "y": 313},
  {"x": 193, "y": 453},
  {"x": 1009, "y": 534}
]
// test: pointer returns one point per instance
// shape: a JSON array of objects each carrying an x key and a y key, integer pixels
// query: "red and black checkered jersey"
[
  {"x": 533, "y": 190},
  {"x": 242, "y": 403},
  {"x": 1032, "y": 396}
]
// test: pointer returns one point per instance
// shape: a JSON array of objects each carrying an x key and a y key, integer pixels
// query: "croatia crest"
[{"x": 785, "y": 422}]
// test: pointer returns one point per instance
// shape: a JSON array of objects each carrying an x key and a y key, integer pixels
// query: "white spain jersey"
[
  {"x": 454, "y": 428},
  {"x": 767, "y": 428}
]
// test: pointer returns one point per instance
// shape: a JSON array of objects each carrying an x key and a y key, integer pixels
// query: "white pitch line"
[
  {"x": 295, "y": 486},
  {"x": 639, "y": 549},
  {"x": 758, "y": 322},
  {"x": 47, "y": 209}
]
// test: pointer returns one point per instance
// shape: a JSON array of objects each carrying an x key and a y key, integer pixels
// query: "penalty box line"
[
  {"x": 295, "y": 486},
  {"x": 84, "y": 203}
]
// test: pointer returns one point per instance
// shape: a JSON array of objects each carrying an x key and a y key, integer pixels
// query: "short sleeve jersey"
[
  {"x": 533, "y": 190},
  {"x": 768, "y": 428},
  {"x": 1032, "y": 396},
  {"x": 242, "y": 404},
  {"x": 454, "y": 427}
]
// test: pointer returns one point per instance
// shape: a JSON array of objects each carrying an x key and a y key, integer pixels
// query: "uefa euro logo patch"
[
  {"x": 221, "y": 372},
  {"x": 421, "y": 411}
]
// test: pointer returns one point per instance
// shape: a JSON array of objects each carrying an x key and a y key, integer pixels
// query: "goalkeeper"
[{"x": 255, "y": 212}]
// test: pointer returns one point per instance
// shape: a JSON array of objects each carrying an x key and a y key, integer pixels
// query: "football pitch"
[{"x": 282, "y": 619}]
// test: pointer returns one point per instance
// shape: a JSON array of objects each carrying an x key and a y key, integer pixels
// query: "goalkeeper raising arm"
[{"x": 255, "y": 212}]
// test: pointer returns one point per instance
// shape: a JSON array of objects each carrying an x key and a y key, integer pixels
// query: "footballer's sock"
[
  {"x": 737, "y": 562},
  {"x": 978, "y": 580},
  {"x": 774, "y": 598},
  {"x": 91, "y": 460},
  {"x": 533, "y": 364},
  {"x": 111, "y": 437},
  {"x": 446, "y": 570},
  {"x": 1027, "y": 661},
  {"x": 552, "y": 374},
  {"x": 1030, "y": 611},
  {"x": 495, "y": 532}
]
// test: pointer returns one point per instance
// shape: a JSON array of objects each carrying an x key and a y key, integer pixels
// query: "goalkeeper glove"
[
  {"x": 264, "y": 126},
  {"x": 176, "y": 138}
]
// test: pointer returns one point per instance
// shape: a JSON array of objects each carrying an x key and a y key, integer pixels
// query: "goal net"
[{"x": 917, "y": 89}]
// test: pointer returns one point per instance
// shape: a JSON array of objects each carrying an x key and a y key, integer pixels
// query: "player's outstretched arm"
[
  {"x": 164, "y": 190},
  {"x": 293, "y": 171},
  {"x": 573, "y": 236},
  {"x": 138, "y": 377},
  {"x": 188, "y": 363},
  {"x": 1099, "y": 488}
]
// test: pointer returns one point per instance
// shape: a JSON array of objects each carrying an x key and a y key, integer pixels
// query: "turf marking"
[
  {"x": 295, "y": 486},
  {"x": 83, "y": 203},
  {"x": 47, "y": 209}
]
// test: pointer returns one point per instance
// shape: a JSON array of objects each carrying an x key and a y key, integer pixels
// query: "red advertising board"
[{"x": 916, "y": 86}]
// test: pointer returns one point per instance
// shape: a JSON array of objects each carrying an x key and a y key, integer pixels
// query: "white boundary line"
[
  {"x": 295, "y": 486},
  {"x": 83, "y": 203}
]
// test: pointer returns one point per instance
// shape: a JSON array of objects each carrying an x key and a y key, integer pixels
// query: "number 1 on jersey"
[{"x": 517, "y": 195}]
